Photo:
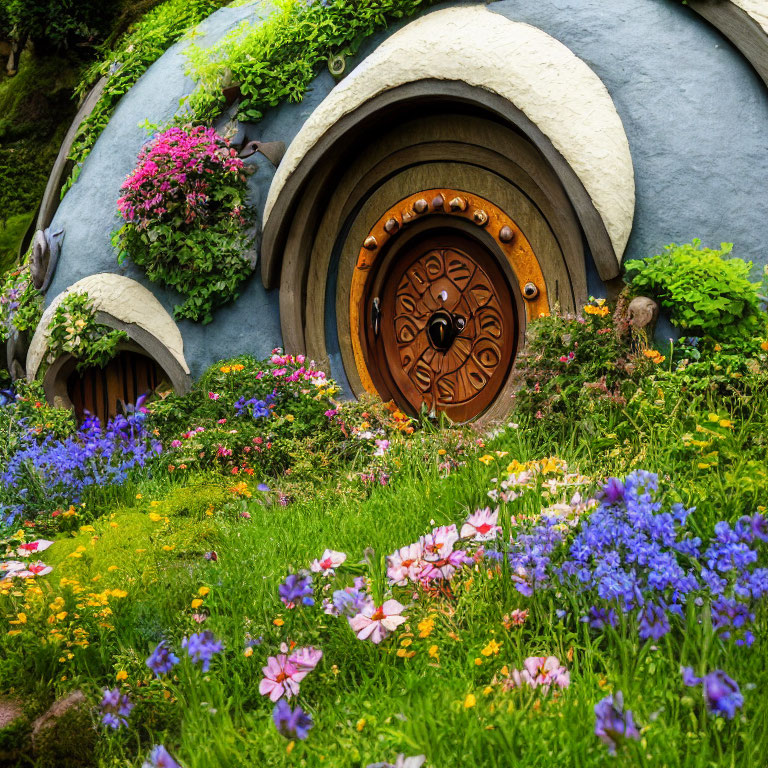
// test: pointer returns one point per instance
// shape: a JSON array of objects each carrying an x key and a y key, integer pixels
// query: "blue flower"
[
  {"x": 162, "y": 660},
  {"x": 652, "y": 622},
  {"x": 721, "y": 693},
  {"x": 293, "y": 724},
  {"x": 297, "y": 588},
  {"x": 160, "y": 758},
  {"x": 202, "y": 647},
  {"x": 115, "y": 708},
  {"x": 614, "y": 725}
]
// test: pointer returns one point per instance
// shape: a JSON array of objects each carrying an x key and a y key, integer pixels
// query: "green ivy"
[
  {"x": 135, "y": 52},
  {"x": 74, "y": 330},
  {"x": 704, "y": 293},
  {"x": 275, "y": 59}
]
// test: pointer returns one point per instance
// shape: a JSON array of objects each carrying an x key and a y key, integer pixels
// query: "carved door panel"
[{"x": 448, "y": 327}]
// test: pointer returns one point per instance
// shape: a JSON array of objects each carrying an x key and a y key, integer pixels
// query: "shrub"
[
  {"x": 704, "y": 293},
  {"x": 185, "y": 213},
  {"x": 574, "y": 365}
]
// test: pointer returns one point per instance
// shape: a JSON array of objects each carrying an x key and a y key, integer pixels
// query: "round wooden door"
[
  {"x": 103, "y": 392},
  {"x": 444, "y": 327}
]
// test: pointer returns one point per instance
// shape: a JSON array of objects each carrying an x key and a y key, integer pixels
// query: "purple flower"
[
  {"x": 263, "y": 487},
  {"x": 159, "y": 758},
  {"x": 721, "y": 693},
  {"x": 115, "y": 708},
  {"x": 612, "y": 724},
  {"x": 613, "y": 490},
  {"x": 162, "y": 660},
  {"x": 297, "y": 588},
  {"x": 652, "y": 622},
  {"x": 201, "y": 647},
  {"x": 293, "y": 724}
]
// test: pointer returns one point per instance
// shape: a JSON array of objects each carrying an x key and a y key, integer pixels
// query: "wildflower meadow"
[{"x": 260, "y": 572}]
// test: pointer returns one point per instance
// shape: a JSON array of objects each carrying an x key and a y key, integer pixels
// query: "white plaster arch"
[
  {"x": 556, "y": 90},
  {"x": 757, "y": 9},
  {"x": 124, "y": 299}
]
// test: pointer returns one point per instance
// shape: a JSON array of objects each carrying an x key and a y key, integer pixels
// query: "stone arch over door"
[
  {"x": 154, "y": 343},
  {"x": 387, "y": 135}
]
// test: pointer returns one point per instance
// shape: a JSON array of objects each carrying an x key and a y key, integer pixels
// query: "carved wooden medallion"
[{"x": 448, "y": 328}]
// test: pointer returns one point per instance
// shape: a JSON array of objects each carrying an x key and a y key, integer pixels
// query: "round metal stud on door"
[{"x": 447, "y": 327}]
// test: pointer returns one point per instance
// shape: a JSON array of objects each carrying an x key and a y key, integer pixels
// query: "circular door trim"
[{"x": 444, "y": 204}]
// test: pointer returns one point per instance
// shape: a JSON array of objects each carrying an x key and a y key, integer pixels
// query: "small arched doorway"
[{"x": 105, "y": 392}]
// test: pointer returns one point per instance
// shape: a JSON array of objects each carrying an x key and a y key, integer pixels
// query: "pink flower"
[
  {"x": 328, "y": 561},
  {"x": 405, "y": 564},
  {"x": 176, "y": 444},
  {"x": 375, "y": 623},
  {"x": 213, "y": 396},
  {"x": 540, "y": 671},
  {"x": 32, "y": 547},
  {"x": 281, "y": 678},
  {"x": 440, "y": 542},
  {"x": 517, "y": 617},
  {"x": 381, "y": 447},
  {"x": 306, "y": 659},
  {"x": 481, "y": 525}
]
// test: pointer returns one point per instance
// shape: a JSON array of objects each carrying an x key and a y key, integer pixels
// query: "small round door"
[
  {"x": 443, "y": 326},
  {"x": 104, "y": 391}
]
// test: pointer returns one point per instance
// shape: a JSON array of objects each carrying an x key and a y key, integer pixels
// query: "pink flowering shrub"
[{"x": 185, "y": 213}]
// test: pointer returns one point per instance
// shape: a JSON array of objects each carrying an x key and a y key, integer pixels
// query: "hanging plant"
[
  {"x": 73, "y": 330},
  {"x": 185, "y": 213},
  {"x": 21, "y": 305}
]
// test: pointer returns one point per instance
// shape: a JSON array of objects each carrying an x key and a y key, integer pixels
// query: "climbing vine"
[
  {"x": 124, "y": 64},
  {"x": 21, "y": 305},
  {"x": 74, "y": 330},
  {"x": 275, "y": 59}
]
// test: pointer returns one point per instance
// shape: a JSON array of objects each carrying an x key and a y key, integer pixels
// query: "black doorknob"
[{"x": 443, "y": 328}]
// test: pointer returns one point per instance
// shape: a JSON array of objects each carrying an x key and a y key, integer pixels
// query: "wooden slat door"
[{"x": 101, "y": 391}]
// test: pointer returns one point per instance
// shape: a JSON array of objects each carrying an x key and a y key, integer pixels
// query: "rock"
[
  {"x": 643, "y": 314},
  {"x": 64, "y": 737},
  {"x": 10, "y": 710}
]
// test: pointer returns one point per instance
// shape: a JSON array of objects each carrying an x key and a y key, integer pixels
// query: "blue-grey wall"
[{"x": 695, "y": 114}]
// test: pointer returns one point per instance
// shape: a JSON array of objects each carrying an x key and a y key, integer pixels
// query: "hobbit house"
[{"x": 463, "y": 172}]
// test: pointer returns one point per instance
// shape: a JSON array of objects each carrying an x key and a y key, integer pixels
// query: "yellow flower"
[
  {"x": 289, "y": 747},
  {"x": 121, "y": 675},
  {"x": 20, "y": 619},
  {"x": 434, "y": 652},
  {"x": 487, "y": 459},
  {"x": 713, "y": 417},
  {"x": 278, "y": 622},
  {"x": 248, "y": 652},
  {"x": 197, "y": 602},
  {"x": 492, "y": 648},
  {"x": 87, "y": 529},
  {"x": 12, "y": 632},
  {"x": 470, "y": 701},
  {"x": 727, "y": 423},
  {"x": 167, "y": 547},
  {"x": 75, "y": 554},
  {"x": 225, "y": 369},
  {"x": 478, "y": 661},
  {"x": 113, "y": 524},
  {"x": 703, "y": 465},
  {"x": 764, "y": 346},
  {"x": 61, "y": 615},
  {"x": 139, "y": 496},
  {"x": 502, "y": 454},
  {"x": 289, "y": 417},
  {"x": 406, "y": 642},
  {"x": 488, "y": 690},
  {"x": 203, "y": 591},
  {"x": 119, "y": 593},
  {"x": 718, "y": 348},
  {"x": 360, "y": 724},
  {"x": 442, "y": 452},
  {"x": 154, "y": 517},
  {"x": 426, "y": 626}
]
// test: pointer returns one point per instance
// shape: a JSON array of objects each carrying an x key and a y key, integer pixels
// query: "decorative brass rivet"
[
  {"x": 407, "y": 217},
  {"x": 530, "y": 291},
  {"x": 480, "y": 217},
  {"x": 391, "y": 226},
  {"x": 370, "y": 243},
  {"x": 438, "y": 202},
  {"x": 458, "y": 204},
  {"x": 421, "y": 205},
  {"x": 506, "y": 234}
]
